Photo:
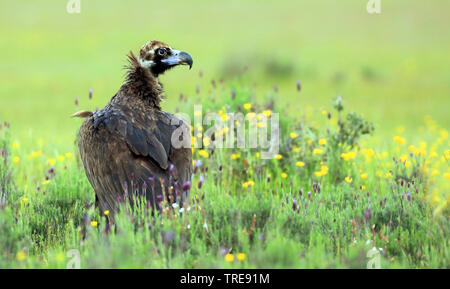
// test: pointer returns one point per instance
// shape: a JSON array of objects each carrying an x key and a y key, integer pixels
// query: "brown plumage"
[{"x": 131, "y": 145}]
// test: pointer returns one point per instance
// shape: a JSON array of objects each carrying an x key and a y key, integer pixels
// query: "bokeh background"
[{"x": 392, "y": 67}]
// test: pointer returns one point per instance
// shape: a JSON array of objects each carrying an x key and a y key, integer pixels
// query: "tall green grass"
[{"x": 271, "y": 213}]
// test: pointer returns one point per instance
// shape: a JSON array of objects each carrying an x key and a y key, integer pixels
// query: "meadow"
[{"x": 368, "y": 170}]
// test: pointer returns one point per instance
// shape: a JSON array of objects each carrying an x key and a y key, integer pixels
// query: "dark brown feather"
[{"x": 129, "y": 140}]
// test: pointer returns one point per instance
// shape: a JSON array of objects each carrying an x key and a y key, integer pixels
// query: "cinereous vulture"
[{"x": 131, "y": 147}]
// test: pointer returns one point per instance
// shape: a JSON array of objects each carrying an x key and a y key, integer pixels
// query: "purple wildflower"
[
  {"x": 187, "y": 186},
  {"x": 171, "y": 168},
  {"x": 299, "y": 86},
  {"x": 151, "y": 181},
  {"x": 200, "y": 183}
]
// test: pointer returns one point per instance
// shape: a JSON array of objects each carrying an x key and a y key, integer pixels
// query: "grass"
[
  {"x": 346, "y": 198},
  {"x": 390, "y": 68}
]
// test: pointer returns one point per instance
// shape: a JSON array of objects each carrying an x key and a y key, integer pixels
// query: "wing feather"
[{"x": 143, "y": 139}]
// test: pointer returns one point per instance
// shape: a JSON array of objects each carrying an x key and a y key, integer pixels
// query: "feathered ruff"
[{"x": 141, "y": 83}]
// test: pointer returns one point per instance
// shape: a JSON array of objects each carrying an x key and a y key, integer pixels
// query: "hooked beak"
[{"x": 179, "y": 57}]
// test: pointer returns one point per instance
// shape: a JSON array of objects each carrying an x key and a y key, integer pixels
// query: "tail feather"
[{"x": 83, "y": 114}]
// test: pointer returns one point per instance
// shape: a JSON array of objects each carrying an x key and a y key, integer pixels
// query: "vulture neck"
[{"x": 141, "y": 83}]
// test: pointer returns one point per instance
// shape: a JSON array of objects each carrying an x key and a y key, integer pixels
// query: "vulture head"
[{"x": 159, "y": 57}]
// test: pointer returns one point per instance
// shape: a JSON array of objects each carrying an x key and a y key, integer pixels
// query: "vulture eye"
[{"x": 162, "y": 51}]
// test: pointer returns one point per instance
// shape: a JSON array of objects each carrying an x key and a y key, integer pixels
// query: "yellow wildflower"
[
  {"x": 403, "y": 158},
  {"x": 229, "y": 258},
  {"x": 300, "y": 164},
  {"x": 399, "y": 140},
  {"x": 51, "y": 162},
  {"x": 322, "y": 142},
  {"x": 106, "y": 212},
  {"x": 247, "y": 106},
  {"x": 46, "y": 182},
  {"x": 61, "y": 158},
  {"x": 447, "y": 175},
  {"x": 293, "y": 135},
  {"x": 278, "y": 157},
  {"x": 364, "y": 176},
  {"x": 283, "y": 175},
  {"x": 348, "y": 156},
  {"x": 21, "y": 255},
  {"x": 420, "y": 151},
  {"x": 94, "y": 223},
  {"x": 16, "y": 159},
  {"x": 203, "y": 153},
  {"x": 317, "y": 151},
  {"x": 241, "y": 256},
  {"x": 235, "y": 156},
  {"x": 348, "y": 179},
  {"x": 267, "y": 112},
  {"x": 248, "y": 184},
  {"x": 323, "y": 171},
  {"x": 369, "y": 153},
  {"x": 68, "y": 155},
  {"x": 296, "y": 149}
]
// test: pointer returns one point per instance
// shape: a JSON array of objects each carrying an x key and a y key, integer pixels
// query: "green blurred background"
[{"x": 391, "y": 67}]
